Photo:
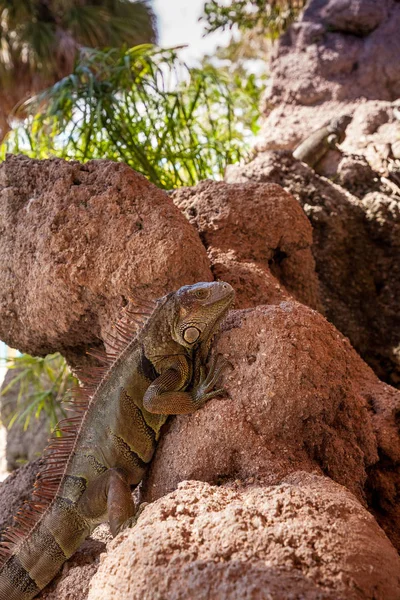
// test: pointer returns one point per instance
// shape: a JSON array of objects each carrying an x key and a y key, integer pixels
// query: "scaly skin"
[
  {"x": 317, "y": 144},
  {"x": 160, "y": 372}
]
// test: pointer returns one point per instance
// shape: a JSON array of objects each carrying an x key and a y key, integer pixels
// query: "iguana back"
[{"x": 155, "y": 368}]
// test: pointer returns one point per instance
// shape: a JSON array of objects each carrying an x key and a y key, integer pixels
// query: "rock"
[
  {"x": 339, "y": 57},
  {"x": 331, "y": 63},
  {"x": 75, "y": 242},
  {"x": 22, "y": 445},
  {"x": 303, "y": 538},
  {"x": 371, "y": 135},
  {"x": 253, "y": 282},
  {"x": 299, "y": 397},
  {"x": 73, "y": 583},
  {"x": 383, "y": 219},
  {"x": 358, "y": 273},
  {"x": 15, "y": 490},
  {"x": 355, "y": 175},
  {"x": 258, "y": 240},
  {"x": 358, "y": 17},
  {"x": 290, "y": 406}
]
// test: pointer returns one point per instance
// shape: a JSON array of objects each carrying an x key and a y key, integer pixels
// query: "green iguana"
[
  {"x": 156, "y": 368},
  {"x": 317, "y": 144}
]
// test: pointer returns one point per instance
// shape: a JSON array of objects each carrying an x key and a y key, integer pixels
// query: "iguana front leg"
[{"x": 164, "y": 395}]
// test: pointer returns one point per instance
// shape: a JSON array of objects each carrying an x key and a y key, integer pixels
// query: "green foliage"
[
  {"x": 145, "y": 107},
  {"x": 41, "y": 383},
  {"x": 40, "y": 40},
  {"x": 271, "y": 16}
]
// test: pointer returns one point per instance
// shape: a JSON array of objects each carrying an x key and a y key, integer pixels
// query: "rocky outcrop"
[
  {"x": 299, "y": 397},
  {"x": 356, "y": 249},
  {"x": 295, "y": 472},
  {"x": 291, "y": 405},
  {"x": 76, "y": 241},
  {"x": 302, "y": 410},
  {"x": 15, "y": 490},
  {"x": 339, "y": 57},
  {"x": 257, "y": 238},
  {"x": 304, "y": 538},
  {"x": 264, "y": 512},
  {"x": 339, "y": 50}
]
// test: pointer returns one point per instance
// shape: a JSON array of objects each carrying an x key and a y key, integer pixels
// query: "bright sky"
[{"x": 178, "y": 24}]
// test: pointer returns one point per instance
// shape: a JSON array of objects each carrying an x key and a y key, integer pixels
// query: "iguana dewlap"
[{"x": 156, "y": 369}]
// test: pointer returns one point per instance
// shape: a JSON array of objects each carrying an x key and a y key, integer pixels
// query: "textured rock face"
[
  {"x": 15, "y": 490},
  {"x": 305, "y": 538},
  {"x": 258, "y": 239},
  {"x": 76, "y": 241},
  {"x": 356, "y": 251},
  {"x": 339, "y": 49},
  {"x": 303, "y": 415},
  {"x": 299, "y": 398},
  {"x": 340, "y": 57}
]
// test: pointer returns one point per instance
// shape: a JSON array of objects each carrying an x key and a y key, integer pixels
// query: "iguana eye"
[
  {"x": 201, "y": 294},
  {"x": 191, "y": 335}
]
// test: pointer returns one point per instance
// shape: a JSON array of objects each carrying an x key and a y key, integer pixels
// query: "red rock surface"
[
  {"x": 339, "y": 49},
  {"x": 15, "y": 490},
  {"x": 339, "y": 57},
  {"x": 356, "y": 249},
  {"x": 372, "y": 134},
  {"x": 76, "y": 241},
  {"x": 299, "y": 397},
  {"x": 258, "y": 239},
  {"x": 305, "y": 538}
]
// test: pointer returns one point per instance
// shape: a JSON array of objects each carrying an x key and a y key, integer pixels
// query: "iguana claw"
[{"x": 204, "y": 390}]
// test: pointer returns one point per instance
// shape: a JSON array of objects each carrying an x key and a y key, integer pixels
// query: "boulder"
[
  {"x": 339, "y": 57},
  {"x": 302, "y": 409},
  {"x": 298, "y": 397},
  {"x": 305, "y": 538},
  {"x": 15, "y": 490},
  {"x": 338, "y": 50},
  {"x": 76, "y": 241},
  {"x": 356, "y": 253},
  {"x": 258, "y": 239}
]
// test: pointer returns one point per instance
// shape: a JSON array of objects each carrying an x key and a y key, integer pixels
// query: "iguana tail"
[
  {"x": 38, "y": 557},
  {"x": 48, "y": 529}
]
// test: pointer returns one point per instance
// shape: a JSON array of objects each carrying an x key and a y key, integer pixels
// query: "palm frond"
[{"x": 145, "y": 107}]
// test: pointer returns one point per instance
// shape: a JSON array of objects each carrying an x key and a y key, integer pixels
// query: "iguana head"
[{"x": 199, "y": 309}]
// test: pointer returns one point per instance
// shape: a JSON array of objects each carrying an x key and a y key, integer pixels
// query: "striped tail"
[
  {"x": 48, "y": 529},
  {"x": 37, "y": 558}
]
